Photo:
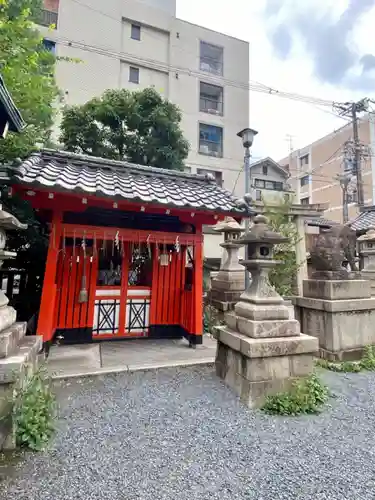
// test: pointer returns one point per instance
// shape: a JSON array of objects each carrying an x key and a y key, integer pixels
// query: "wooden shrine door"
[
  {"x": 118, "y": 285},
  {"x": 123, "y": 293}
]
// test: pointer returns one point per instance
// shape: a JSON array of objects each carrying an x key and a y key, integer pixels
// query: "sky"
[{"x": 319, "y": 48}]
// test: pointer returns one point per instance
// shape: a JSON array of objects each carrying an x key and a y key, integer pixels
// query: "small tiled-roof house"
[{"x": 125, "y": 250}]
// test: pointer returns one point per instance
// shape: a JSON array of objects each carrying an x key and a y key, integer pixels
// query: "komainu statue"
[{"x": 332, "y": 248}]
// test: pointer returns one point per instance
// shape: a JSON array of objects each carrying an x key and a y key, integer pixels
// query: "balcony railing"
[
  {"x": 210, "y": 148},
  {"x": 47, "y": 18},
  {"x": 211, "y": 65},
  {"x": 210, "y": 105}
]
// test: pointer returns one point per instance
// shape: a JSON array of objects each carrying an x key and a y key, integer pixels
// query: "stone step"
[
  {"x": 23, "y": 362},
  {"x": 10, "y": 338}
]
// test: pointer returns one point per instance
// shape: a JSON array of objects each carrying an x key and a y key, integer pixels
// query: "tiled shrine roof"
[
  {"x": 65, "y": 171},
  {"x": 365, "y": 220}
]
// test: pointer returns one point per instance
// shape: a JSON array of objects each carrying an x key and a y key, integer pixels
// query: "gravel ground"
[{"x": 180, "y": 434}]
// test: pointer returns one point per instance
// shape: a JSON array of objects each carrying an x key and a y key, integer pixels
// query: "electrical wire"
[{"x": 252, "y": 86}]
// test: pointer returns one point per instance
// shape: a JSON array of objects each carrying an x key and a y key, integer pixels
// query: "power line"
[{"x": 251, "y": 86}]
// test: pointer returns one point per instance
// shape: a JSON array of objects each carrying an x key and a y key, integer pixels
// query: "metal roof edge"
[{"x": 15, "y": 117}]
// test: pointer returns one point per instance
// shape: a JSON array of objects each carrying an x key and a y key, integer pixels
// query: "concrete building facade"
[
  {"x": 136, "y": 44},
  {"x": 314, "y": 169}
]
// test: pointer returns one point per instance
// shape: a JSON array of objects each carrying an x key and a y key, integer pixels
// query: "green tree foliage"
[
  {"x": 141, "y": 127},
  {"x": 28, "y": 71},
  {"x": 283, "y": 276}
]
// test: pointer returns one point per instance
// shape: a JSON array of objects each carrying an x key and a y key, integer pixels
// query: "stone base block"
[
  {"x": 270, "y": 368},
  {"x": 225, "y": 295},
  {"x": 15, "y": 371},
  {"x": 341, "y": 326},
  {"x": 348, "y": 355},
  {"x": 340, "y": 275},
  {"x": 336, "y": 289},
  {"x": 7, "y": 317},
  {"x": 268, "y": 329},
  {"x": 262, "y": 312},
  {"x": 263, "y": 328},
  {"x": 23, "y": 362},
  {"x": 10, "y": 338},
  {"x": 229, "y": 281},
  {"x": 370, "y": 276},
  {"x": 221, "y": 306}
]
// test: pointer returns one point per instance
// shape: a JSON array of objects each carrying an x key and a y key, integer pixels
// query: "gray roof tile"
[
  {"x": 74, "y": 172},
  {"x": 364, "y": 221},
  {"x": 321, "y": 222}
]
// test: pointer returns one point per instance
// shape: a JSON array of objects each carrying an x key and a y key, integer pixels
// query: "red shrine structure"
[{"x": 125, "y": 256}]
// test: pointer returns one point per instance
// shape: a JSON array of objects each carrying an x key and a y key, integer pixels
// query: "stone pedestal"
[
  {"x": 18, "y": 353},
  {"x": 341, "y": 314},
  {"x": 261, "y": 350},
  {"x": 229, "y": 282},
  {"x": 366, "y": 244}
]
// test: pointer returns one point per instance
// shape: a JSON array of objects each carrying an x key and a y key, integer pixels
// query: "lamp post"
[{"x": 247, "y": 135}]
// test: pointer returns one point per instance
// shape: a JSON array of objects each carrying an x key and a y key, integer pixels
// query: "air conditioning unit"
[{"x": 204, "y": 149}]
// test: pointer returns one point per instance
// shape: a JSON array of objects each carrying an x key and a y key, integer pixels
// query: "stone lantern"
[
  {"x": 229, "y": 282},
  {"x": 367, "y": 252},
  {"x": 260, "y": 350},
  {"x": 7, "y": 222}
]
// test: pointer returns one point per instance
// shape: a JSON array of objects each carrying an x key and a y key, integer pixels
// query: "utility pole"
[
  {"x": 344, "y": 180},
  {"x": 289, "y": 138},
  {"x": 352, "y": 109}
]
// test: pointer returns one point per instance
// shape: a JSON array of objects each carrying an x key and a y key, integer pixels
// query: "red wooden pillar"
[
  {"x": 48, "y": 300},
  {"x": 197, "y": 324}
]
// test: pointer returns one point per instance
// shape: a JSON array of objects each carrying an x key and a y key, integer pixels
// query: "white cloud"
[{"x": 274, "y": 117}]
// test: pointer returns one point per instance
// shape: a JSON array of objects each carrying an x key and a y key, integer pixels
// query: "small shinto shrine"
[{"x": 125, "y": 256}]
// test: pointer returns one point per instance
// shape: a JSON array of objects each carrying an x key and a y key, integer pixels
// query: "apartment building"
[
  {"x": 136, "y": 44},
  {"x": 314, "y": 169}
]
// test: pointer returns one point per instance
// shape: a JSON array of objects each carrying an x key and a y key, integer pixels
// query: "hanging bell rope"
[
  {"x": 83, "y": 294},
  {"x": 149, "y": 246}
]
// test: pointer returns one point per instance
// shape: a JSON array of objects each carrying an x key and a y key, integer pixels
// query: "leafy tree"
[
  {"x": 141, "y": 127},
  {"x": 28, "y": 72},
  {"x": 283, "y": 276}
]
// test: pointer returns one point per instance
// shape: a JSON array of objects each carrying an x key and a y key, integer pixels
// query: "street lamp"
[{"x": 247, "y": 135}]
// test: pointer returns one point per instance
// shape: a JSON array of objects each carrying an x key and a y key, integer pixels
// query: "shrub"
[
  {"x": 306, "y": 396},
  {"x": 34, "y": 412},
  {"x": 367, "y": 363},
  {"x": 210, "y": 319}
]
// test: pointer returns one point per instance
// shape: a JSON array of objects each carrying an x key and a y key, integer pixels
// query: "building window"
[
  {"x": 135, "y": 32},
  {"x": 48, "y": 18},
  {"x": 211, "y": 58},
  {"x": 271, "y": 185},
  {"x": 211, "y": 99},
  {"x": 187, "y": 170},
  {"x": 210, "y": 140},
  {"x": 265, "y": 170},
  {"x": 217, "y": 174},
  {"x": 258, "y": 195},
  {"x": 49, "y": 45},
  {"x": 133, "y": 74},
  {"x": 304, "y": 180},
  {"x": 305, "y": 201},
  {"x": 304, "y": 160}
]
